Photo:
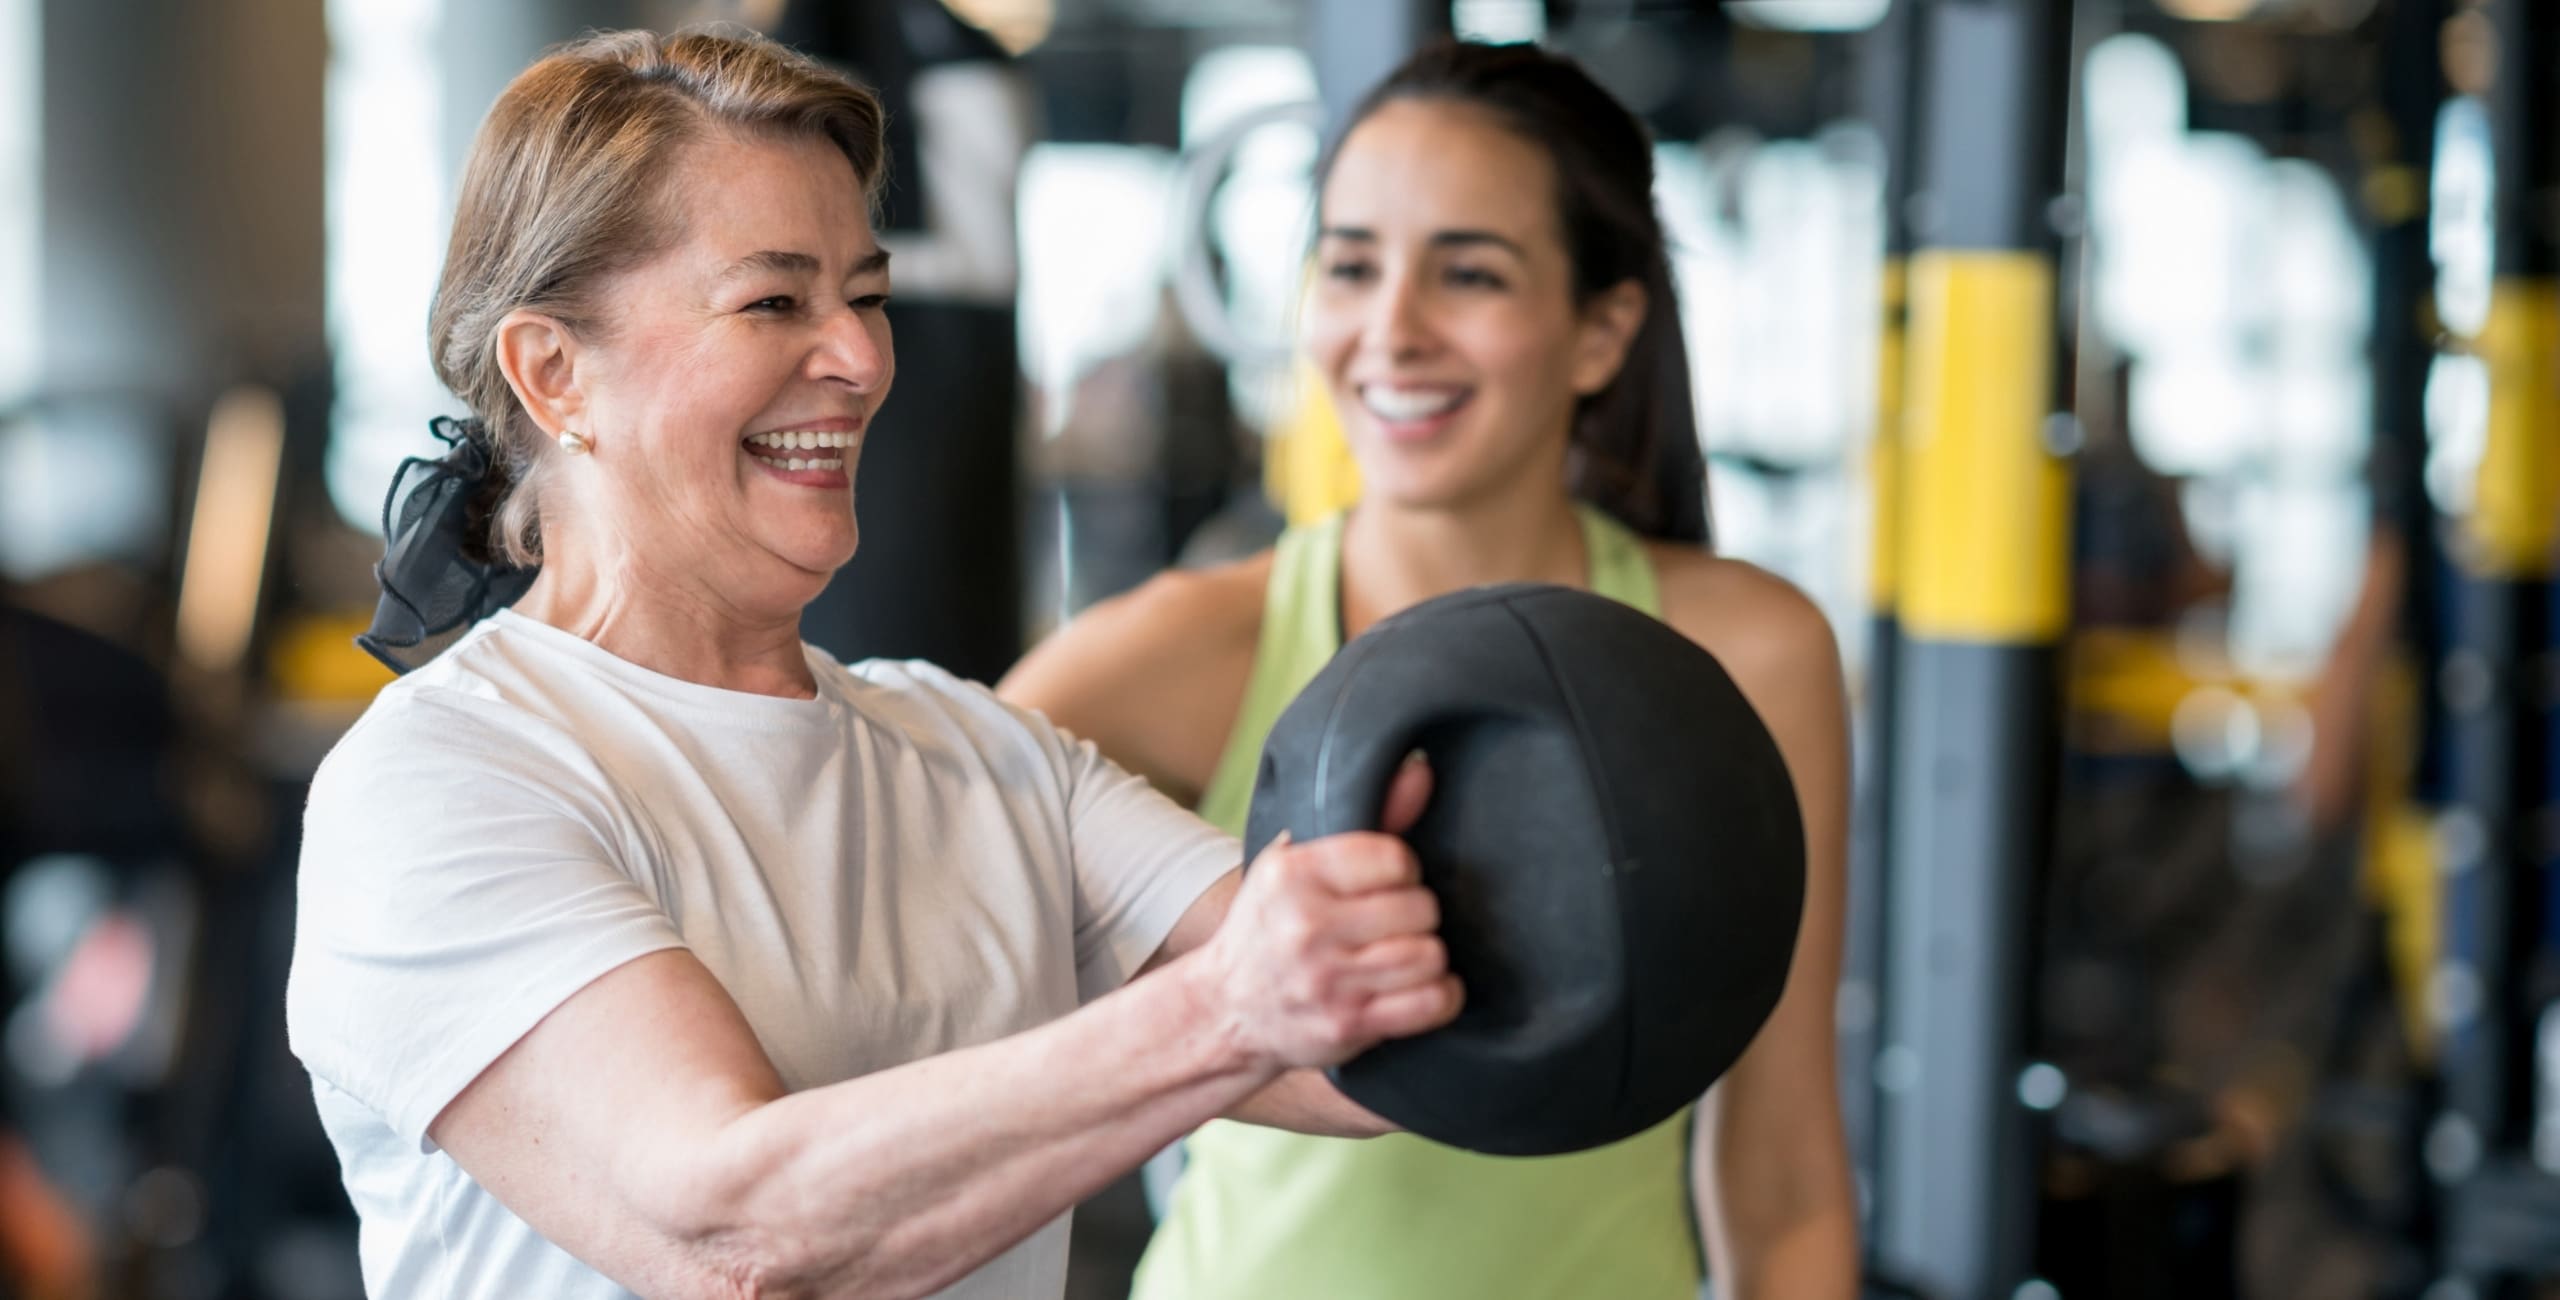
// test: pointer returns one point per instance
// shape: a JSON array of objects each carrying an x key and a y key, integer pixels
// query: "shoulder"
[
  {"x": 1153, "y": 676},
  {"x": 473, "y": 736},
  {"x": 423, "y": 753},
  {"x": 1765, "y": 631},
  {"x": 1169, "y": 626},
  {"x": 482, "y": 692}
]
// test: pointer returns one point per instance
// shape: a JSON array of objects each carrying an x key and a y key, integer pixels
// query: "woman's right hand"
[{"x": 1333, "y": 945}]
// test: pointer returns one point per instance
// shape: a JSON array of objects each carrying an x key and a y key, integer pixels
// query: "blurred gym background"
[{"x": 2160, "y": 395}]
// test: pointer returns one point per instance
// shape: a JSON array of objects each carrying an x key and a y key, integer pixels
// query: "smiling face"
[
  {"x": 1444, "y": 316},
  {"x": 733, "y": 376}
]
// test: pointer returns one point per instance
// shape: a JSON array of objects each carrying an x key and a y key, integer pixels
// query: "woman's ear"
[
  {"x": 1607, "y": 329},
  {"x": 539, "y": 357}
]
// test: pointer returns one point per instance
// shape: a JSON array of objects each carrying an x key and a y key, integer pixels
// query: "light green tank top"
[{"x": 1261, "y": 1214}]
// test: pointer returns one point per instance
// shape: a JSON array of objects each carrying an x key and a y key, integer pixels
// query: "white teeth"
[
  {"x": 1408, "y": 404},
  {"x": 802, "y": 441},
  {"x": 795, "y": 463}
]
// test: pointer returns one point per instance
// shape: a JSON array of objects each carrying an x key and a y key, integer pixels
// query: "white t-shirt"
[{"x": 897, "y": 868}]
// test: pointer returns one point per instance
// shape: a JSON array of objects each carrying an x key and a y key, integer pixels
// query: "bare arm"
[
  {"x": 1303, "y": 1101},
  {"x": 1153, "y": 678},
  {"x": 1776, "y": 1204},
  {"x": 641, "y": 1128}
]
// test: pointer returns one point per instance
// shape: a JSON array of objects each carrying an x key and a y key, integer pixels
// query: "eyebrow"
[
  {"x": 1439, "y": 238},
  {"x": 787, "y": 263}
]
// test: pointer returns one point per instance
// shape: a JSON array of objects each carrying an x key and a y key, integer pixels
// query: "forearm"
[
  {"x": 1815, "y": 1257},
  {"x": 1305, "y": 1101},
  {"x": 900, "y": 1182},
  {"x": 1776, "y": 1206}
]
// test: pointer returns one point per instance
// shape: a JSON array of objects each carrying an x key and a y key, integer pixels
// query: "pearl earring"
[{"x": 571, "y": 443}]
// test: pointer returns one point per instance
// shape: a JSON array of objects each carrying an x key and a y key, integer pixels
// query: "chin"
[
  {"x": 815, "y": 552},
  {"x": 1402, "y": 488}
]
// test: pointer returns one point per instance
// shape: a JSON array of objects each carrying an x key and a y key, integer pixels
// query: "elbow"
[
  {"x": 765, "y": 1265},
  {"x": 744, "y": 1265},
  {"x": 744, "y": 1227},
  {"x": 735, "y": 1269},
  {"x": 724, "y": 1249}
]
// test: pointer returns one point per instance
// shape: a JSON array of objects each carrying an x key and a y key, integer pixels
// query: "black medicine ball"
[{"x": 1613, "y": 838}]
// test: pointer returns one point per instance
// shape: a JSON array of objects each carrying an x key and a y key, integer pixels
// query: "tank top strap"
[
  {"x": 1620, "y": 570},
  {"x": 1301, "y": 630}
]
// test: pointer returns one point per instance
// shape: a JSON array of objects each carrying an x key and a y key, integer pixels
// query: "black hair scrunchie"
[{"x": 430, "y": 583}]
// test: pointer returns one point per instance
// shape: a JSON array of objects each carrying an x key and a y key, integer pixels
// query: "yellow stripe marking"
[{"x": 1986, "y": 544}]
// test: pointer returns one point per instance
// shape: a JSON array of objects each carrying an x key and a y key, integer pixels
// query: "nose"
[
  {"x": 853, "y": 349},
  {"x": 1398, "y": 324}
]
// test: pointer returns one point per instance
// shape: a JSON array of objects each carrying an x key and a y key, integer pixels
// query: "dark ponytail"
[{"x": 1635, "y": 451}]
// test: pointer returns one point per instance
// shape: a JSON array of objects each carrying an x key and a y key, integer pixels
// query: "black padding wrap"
[{"x": 1613, "y": 839}]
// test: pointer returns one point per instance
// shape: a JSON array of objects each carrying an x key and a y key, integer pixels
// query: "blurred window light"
[
  {"x": 2302, "y": 545},
  {"x": 1232, "y": 82},
  {"x": 2320, "y": 282},
  {"x": 2315, "y": 257},
  {"x": 1776, "y": 251},
  {"x": 2457, "y": 404},
  {"x": 2135, "y": 91},
  {"x": 2462, "y": 225},
  {"x": 1249, "y": 140},
  {"x": 1094, "y": 225},
  {"x": 1499, "y": 22},
  {"x": 21, "y": 175},
  {"x": 2194, "y": 411},
  {"x": 2210, "y": 507},
  {"x": 387, "y": 206},
  {"x": 2239, "y": 289},
  {"x": 1777, "y": 255},
  {"x": 1809, "y": 334},
  {"x": 2171, "y": 231},
  {"x": 57, "y": 510},
  {"x": 1809, "y": 15}
]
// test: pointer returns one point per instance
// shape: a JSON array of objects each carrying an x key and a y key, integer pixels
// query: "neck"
[
  {"x": 1394, "y": 556},
  {"x": 679, "y": 626}
]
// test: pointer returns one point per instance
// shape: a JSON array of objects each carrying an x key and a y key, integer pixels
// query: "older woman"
[{"x": 642, "y": 945}]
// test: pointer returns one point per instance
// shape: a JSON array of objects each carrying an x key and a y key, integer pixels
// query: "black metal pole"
[
  {"x": 1983, "y": 603},
  {"x": 2494, "y": 982}
]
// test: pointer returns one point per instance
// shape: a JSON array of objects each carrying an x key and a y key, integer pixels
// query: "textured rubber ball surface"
[{"x": 1613, "y": 838}]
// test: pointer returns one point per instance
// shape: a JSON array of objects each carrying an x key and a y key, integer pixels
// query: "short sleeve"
[
  {"x": 458, "y": 882},
  {"x": 1141, "y": 860}
]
